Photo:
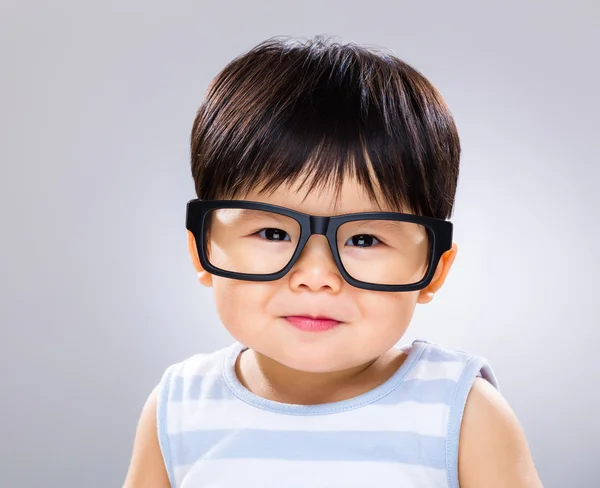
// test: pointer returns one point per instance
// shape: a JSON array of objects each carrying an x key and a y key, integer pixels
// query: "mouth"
[{"x": 312, "y": 324}]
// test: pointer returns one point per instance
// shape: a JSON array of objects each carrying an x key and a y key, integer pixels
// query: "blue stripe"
[{"x": 400, "y": 447}]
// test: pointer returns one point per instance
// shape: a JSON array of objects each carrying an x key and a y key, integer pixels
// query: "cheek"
[
  {"x": 389, "y": 313},
  {"x": 240, "y": 304}
]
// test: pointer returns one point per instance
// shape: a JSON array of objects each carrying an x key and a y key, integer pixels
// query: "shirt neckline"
[{"x": 371, "y": 396}]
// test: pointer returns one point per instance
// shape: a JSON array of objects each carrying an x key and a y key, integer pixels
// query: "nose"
[{"x": 315, "y": 269}]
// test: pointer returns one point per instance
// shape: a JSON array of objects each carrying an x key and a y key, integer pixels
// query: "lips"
[{"x": 312, "y": 324}]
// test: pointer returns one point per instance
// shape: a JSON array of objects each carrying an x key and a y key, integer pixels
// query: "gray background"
[{"x": 97, "y": 291}]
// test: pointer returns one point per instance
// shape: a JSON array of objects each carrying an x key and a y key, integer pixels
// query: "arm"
[
  {"x": 493, "y": 451},
  {"x": 147, "y": 469}
]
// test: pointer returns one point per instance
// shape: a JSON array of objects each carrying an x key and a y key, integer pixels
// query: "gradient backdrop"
[{"x": 98, "y": 294}]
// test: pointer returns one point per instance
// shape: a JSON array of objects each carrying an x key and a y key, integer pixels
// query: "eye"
[
  {"x": 362, "y": 240},
  {"x": 274, "y": 234}
]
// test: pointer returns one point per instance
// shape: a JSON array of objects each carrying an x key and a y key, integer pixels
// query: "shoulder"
[
  {"x": 203, "y": 364},
  {"x": 193, "y": 378},
  {"x": 151, "y": 463},
  {"x": 191, "y": 373},
  {"x": 485, "y": 444},
  {"x": 146, "y": 468},
  {"x": 455, "y": 365},
  {"x": 493, "y": 451}
]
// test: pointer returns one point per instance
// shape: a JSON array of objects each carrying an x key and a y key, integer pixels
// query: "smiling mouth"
[{"x": 312, "y": 324}]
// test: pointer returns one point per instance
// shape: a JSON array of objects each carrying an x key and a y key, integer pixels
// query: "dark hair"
[{"x": 322, "y": 111}]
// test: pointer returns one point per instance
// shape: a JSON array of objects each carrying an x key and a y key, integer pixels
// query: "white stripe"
[
  {"x": 260, "y": 473},
  {"x": 426, "y": 419},
  {"x": 201, "y": 364},
  {"x": 436, "y": 370}
]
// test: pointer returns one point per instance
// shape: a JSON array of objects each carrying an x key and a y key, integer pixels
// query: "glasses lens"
[
  {"x": 250, "y": 241},
  {"x": 385, "y": 252}
]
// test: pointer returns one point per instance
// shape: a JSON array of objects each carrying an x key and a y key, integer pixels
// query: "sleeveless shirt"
[{"x": 213, "y": 432}]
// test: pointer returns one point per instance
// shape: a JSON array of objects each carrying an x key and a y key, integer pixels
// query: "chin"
[{"x": 316, "y": 360}]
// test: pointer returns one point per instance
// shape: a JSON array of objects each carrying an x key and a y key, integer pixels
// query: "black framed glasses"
[{"x": 381, "y": 251}]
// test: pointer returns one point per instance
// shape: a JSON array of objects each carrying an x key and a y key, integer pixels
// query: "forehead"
[{"x": 322, "y": 199}]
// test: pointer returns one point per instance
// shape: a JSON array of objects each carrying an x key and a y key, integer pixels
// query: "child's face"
[{"x": 372, "y": 322}]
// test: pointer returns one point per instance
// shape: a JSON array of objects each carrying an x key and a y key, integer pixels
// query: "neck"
[{"x": 275, "y": 381}]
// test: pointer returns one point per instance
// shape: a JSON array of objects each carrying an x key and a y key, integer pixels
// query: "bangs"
[{"x": 315, "y": 114}]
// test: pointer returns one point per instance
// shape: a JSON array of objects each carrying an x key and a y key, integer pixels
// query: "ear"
[
  {"x": 204, "y": 277},
  {"x": 439, "y": 277}
]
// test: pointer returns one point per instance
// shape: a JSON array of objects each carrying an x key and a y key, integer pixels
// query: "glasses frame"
[{"x": 440, "y": 231}]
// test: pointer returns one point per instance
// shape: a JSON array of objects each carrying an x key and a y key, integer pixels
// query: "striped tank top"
[{"x": 213, "y": 432}]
